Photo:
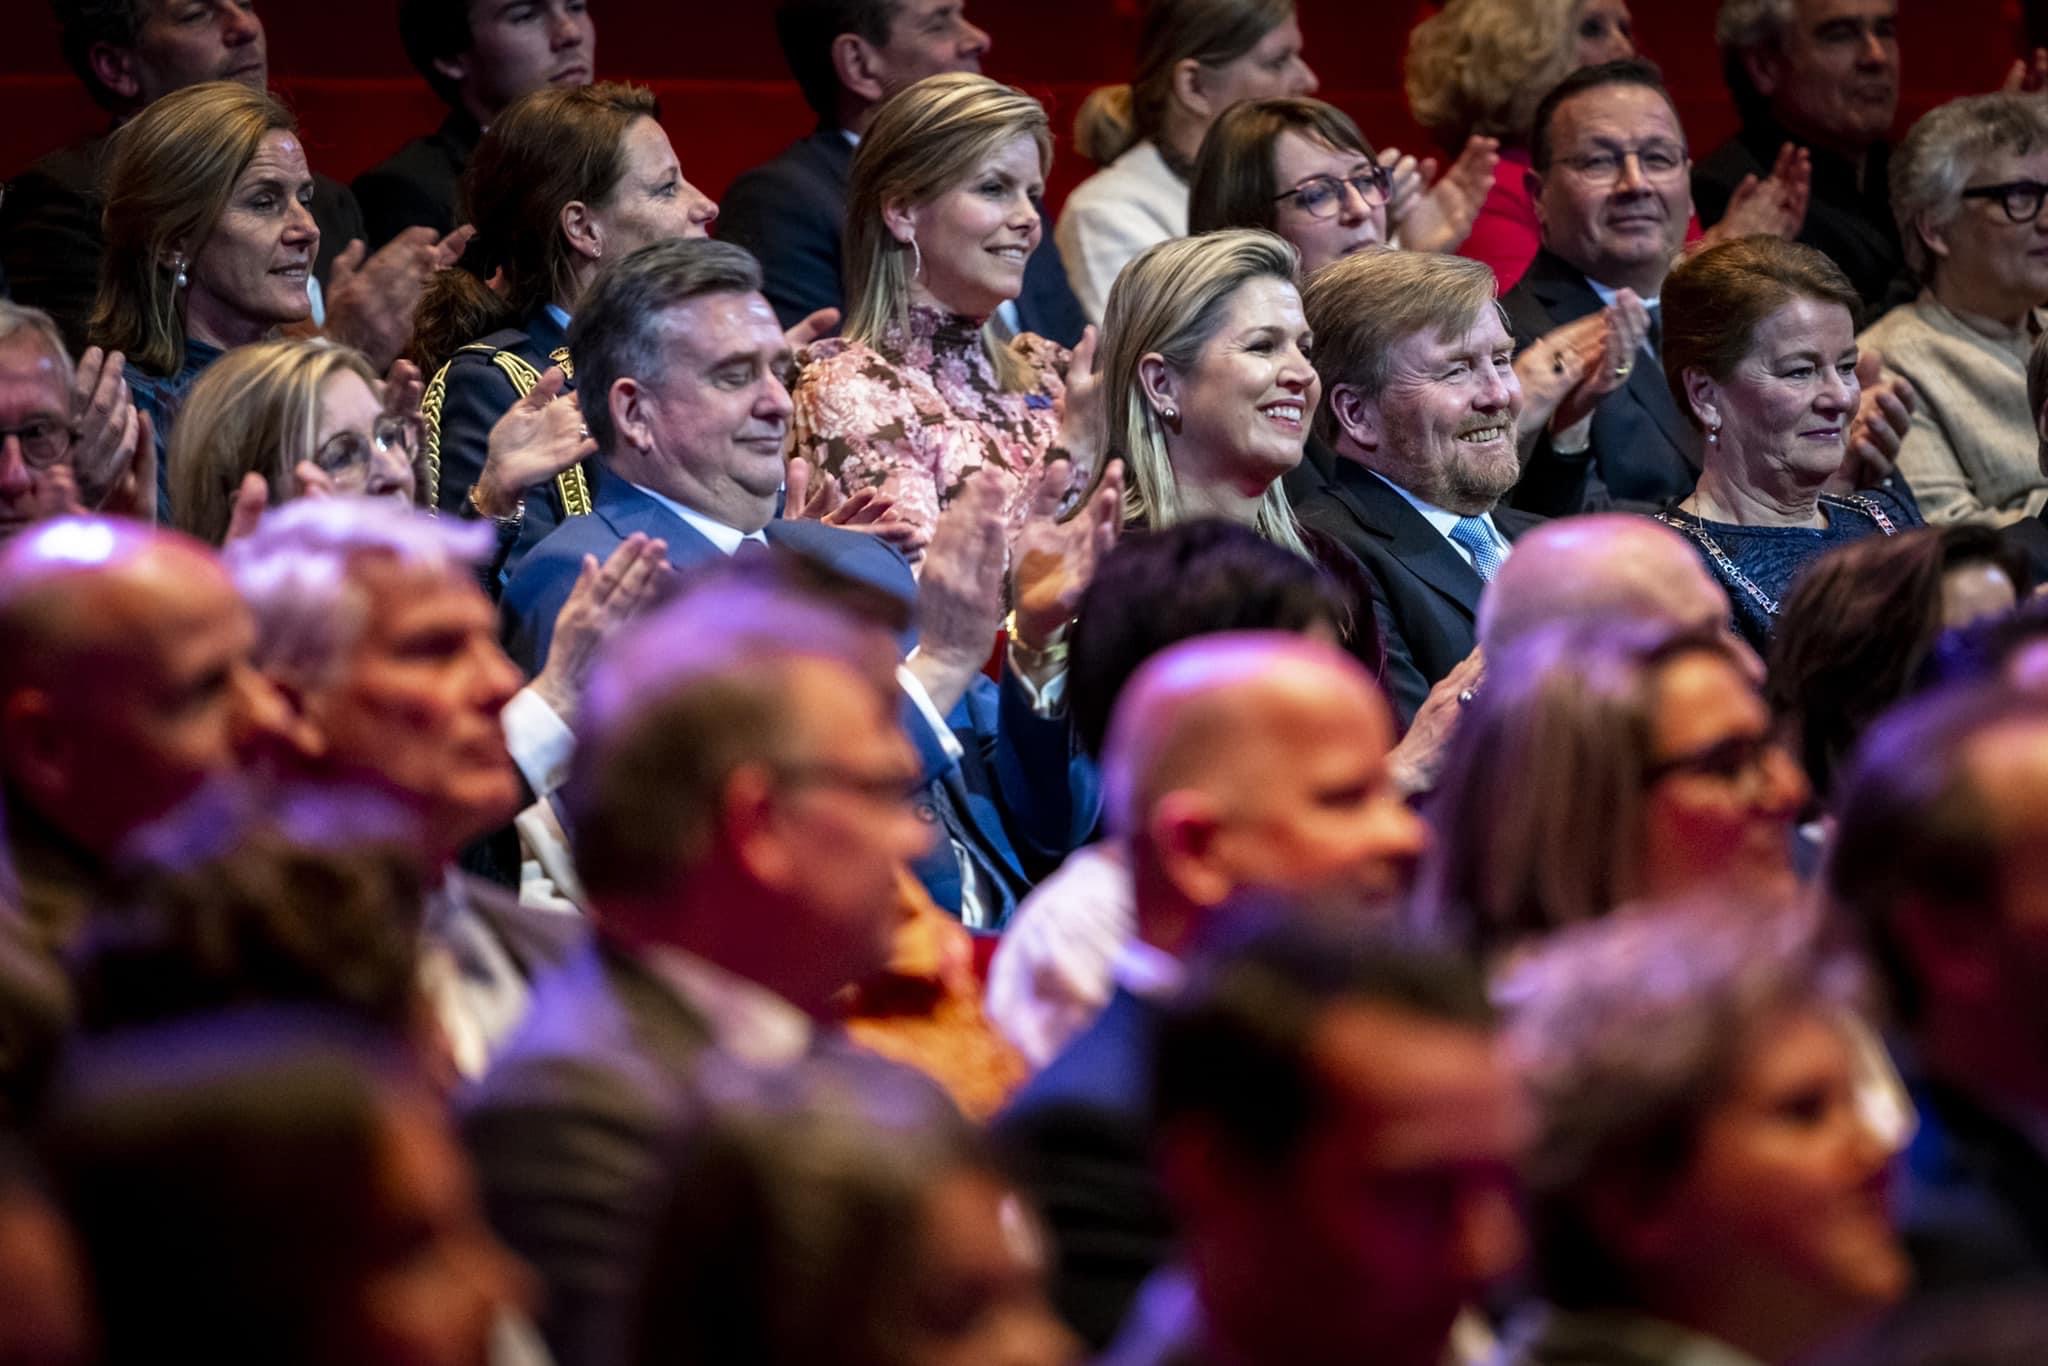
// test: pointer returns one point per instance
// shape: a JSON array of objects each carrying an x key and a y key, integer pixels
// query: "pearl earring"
[
  {"x": 1170, "y": 414},
  {"x": 1714, "y": 435},
  {"x": 178, "y": 264}
]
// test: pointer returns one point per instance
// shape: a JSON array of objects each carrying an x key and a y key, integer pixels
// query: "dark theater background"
[{"x": 727, "y": 104}]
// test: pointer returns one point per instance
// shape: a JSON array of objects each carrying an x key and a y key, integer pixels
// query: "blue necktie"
[{"x": 1471, "y": 534}]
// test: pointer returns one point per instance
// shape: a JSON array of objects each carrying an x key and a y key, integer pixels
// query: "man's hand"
[
  {"x": 633, "y": 577},
  {"x": 1441, "y": 217},
  {"x": 370, "y": 302},
  {"x": 1055, "y": 558},
  {"x": 808, "y": 493},
  {"x": 1588, "y": 360},
  {"x": 1416, "y": 761},
  {"x": 1082, "y": 425},
  {"x": 538, "y": 437},
  {"x": 1774, "y": 207},
  {"x": 1553, "y": 366},
  {"x": 960, "y": 591},
  {"x": 1884, "y": 414},
  {"x": 402, "y": 390}
]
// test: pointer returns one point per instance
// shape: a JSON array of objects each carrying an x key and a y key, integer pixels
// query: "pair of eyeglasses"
[
  {"x": 1657, "y": 160},
  {"x": 2021, "y": 199},
  {"x": 43, "y": 444},
  {"x": 888, "y": 789},
  {"x": 1738, "y": 758},
  {"x": 347, "y": 455},
  {"x": 1322, "y": 196}
]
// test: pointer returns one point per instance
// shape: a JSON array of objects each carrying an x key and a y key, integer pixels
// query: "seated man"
[
  {"x": 69, "y": 438},
  {"x": 479, "y": 56},
  {"x": 1419, "y": 406},
  {"x": 1237, "y": 760},
  {"x": 741, "y": 805},
  {"x": 848, "y": 56},
  {"x": 679, "y": 358}
]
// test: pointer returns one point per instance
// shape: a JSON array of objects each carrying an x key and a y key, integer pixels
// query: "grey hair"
[
  {"x": 15, "y": 317},
  {"x": 620, "y": 327},
  {"x": 1944, "y": 149},
  {"x": 293, "y": 572},
  {"x": 1746, "y": 25}
]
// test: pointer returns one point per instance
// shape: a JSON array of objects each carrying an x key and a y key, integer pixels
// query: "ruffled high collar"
[{"x": 936, "y": 334}]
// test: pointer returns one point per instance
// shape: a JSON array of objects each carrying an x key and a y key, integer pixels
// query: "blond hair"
[
  {"x": 1116, "y": 118},
  {"x": 168, "y": 181},
  {"x": 255, "y": 410},
  {"x": 1169, "y": 302},
  {"x": 924, "y": 141},
  {"x": 1480, "y": 67}
]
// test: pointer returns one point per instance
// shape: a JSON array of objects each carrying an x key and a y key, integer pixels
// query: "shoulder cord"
[{"x": 571, "y": 483}]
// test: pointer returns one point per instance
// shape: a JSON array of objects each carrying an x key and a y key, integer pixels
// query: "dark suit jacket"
[
  {"x": 571, "y": 1126},
  {"x": 50, "y": 238},
  {"x": 1973, "y": 1196},
  {"x": 1077, "y": 1137},
  {"x": 417, "y": 185},
  {"x": 791, "y": 213},
  {"x": 1644, "y": 452},
  {"x": 1424, "y": 594}
]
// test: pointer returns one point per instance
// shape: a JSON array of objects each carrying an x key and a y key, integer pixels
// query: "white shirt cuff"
[
  {"x": 929, "y": 710},
  {"x": 541, "y": 742}
]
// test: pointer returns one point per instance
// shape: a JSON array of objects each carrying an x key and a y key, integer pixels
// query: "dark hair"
[
  {"x": 432, "y": 31},
  {"x": 1234, "y": 186},
  {"x": 1115, "y": 118},
  {"x": 1234, "y": 1052},
  {"x": 1629, "y": 71},
  {"x": 620, "y": 324},
  {"x": 1856, "y": 629},
  {"x": 1715, "y": 300},
  {"x": 1161, "y": 587},
  {"x": 1912, "y": 826},
  {"x": 808, "y": 28},
  {"x": 83, "y": 23}
]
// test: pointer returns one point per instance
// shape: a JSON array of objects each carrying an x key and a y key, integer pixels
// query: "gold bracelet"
[{"x": 516, "y": 517}]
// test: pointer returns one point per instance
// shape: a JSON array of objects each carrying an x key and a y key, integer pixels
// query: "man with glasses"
[{"x": 61, "y": 449}]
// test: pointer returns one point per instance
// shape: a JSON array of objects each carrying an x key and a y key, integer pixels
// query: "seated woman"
[
  {"x": 1678, "y": 786},
  {"x": 1707, "y": 1181},
  {"x": 209, "y": 239},
  {"x": 1967, "y": 185},
  {"x": 563, "y": 180},
  {"x": 921, "y": 391},
  {"x": 1760, "y": 354}
]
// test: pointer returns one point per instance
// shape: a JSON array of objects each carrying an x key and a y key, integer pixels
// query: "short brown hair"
[
  {"x": 1116, "y": 118},
  {"x": 1714, "y": 302},
  {"x": 1362, "y": 306},
  {"x": 1234, "y": 185}
]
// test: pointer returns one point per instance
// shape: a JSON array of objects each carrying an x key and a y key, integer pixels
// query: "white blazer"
[{"x": 1127, "y": 206}]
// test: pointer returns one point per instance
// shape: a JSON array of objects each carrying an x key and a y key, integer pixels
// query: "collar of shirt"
[
  {"x": 1608, "y": 296},
  {"x": 747, "y": 1020},
  {"x": 1147, "y": 971},
  {"x": 726, "y": 538},
  {"x": 1444, "y": 520},
  {"x": 559, "y": 314}
]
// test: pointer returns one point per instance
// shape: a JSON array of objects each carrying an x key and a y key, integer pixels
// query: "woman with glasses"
[
  {"x": 1968, "y": 184},
  {"x": 1677, "y": 785}
]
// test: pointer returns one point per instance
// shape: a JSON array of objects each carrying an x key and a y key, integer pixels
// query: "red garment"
[{"x": 1505, "y": 235}]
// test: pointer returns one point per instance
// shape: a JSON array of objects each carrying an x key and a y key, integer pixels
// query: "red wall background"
[{"x": 728, "y": 104}]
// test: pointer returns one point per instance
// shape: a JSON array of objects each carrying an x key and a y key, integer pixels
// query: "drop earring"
[
  {"x": 178, "y": 264},
  {"x": 1714, "y": 435},
  {"x": 916, "y": 260}
]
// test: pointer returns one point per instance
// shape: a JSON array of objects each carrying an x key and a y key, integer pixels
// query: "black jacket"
[{"x": 417, "y": 185}]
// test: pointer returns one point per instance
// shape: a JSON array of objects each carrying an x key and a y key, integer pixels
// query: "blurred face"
[
  {"x": 1617, "y": 196},
  {"x": 1834, "y": 76},
  {"x": 1605, "y": 33},
  {"x": 250, "y": 273},
  {"x": 928, "y": 38},
  {"x": 713, "y": 422},
  {"x": 1725, "y": 793},
  {"x": 1970, "y": 592},
  {"x": 444, "y": 1278},
  {"x": 1784, "y": 411},
  {"x": 975, "y": 238},
  {"x": 980, "y": 1297},
  {"x": 1325, "y": 215},
  {"x": 35, "y": 414},
  {"x": 188, "y": 42},
  {"x": 1444, "y": 427},
  {"x": 1245, "y": 408},
  {"x": 1985, "y": 262},
  {"x": 518, "y": 46},
  {"x": 413, "y": 705},
  {"x": 1785, "y": 1201},
  {"x": 1273, "y": 69},
  {"x": 357, "y": 446},
  {"x": 652, "y": 202},
  {"x": 2009, "y": 769}
]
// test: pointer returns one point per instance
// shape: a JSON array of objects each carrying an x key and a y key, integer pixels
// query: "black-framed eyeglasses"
[
  {"x": 347, "y": 455},
  {"x": 1322, "y": 196},
  {"x": 2021, "y": 199},
  {"x": 1735, "y": 759},
  {"x": 888, "y": 789},
  {"x": 1657, "y": 160},
  {"x": 44, "y": 443}
]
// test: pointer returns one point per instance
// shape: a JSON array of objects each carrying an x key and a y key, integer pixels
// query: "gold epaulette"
[{"x": 571, "y": 483}]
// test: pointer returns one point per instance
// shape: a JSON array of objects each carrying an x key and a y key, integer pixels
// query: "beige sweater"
[{"x": 1970, "y": 454}]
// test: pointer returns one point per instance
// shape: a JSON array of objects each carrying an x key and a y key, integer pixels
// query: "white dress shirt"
[{"x": 1053, "y": 968}]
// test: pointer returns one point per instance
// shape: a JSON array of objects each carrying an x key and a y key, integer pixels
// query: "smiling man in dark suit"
[
  {"x": 1420, "y": 404},
  {"x": 848, "y": 56}
]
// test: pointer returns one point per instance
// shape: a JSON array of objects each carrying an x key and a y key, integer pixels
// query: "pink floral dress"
[{"x": 918, "y": 414}]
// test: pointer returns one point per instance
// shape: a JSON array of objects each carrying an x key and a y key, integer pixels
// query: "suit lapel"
[
  {"x": 626, "y": 509},
  {"x": 1420, "y": 548}
]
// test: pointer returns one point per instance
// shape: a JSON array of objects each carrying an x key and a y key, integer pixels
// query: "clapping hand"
[
  {"x": 960, "y": 590},
  {"x": 634, "y": 576},
  {"x": 1773, "y": 207},
  {"x": 1440, "y": 217},
  {"x": 1884, "y": 414},
  {"x": 538, "y": 437},
  {"x": 808, "y": 493},
  {"x": 370, "y": 303},
  {"x": 1055, "y": 558},
  {"x": 2027, "y": 75},
  {"x": 113, "y": 461},
  {"x": 1082, "y": 429}
]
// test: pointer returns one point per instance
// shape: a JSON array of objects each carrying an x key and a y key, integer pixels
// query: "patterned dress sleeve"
[{"x": 857, "y": 421}]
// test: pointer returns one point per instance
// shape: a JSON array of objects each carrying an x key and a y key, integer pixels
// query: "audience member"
[
  {"x": 1967, "y": 185},
  {"x": 1196, "y": 58},
  {"x": 45, "y": 1304},
  {"x": 1938, "y": 858},
  {"x": 1235, "y": 761},
  {"x": 265, "y": 1188},
  {"x": 1824, "y": 75},
  {"x": 1677, "y": 784},
  {"x": 823, "y": 1228},
  {"x": 848, "y": 57},
  {"x": 1760, "y": 352},
  {"x": 1421, "y": 403},
  {"x": 942, "y": 216},
  {"x": 740, "y": 798},
  {"x": 1704, "y": 1183},
  {"x": 562, "y": 179},
  {"x": 1339, "y": 1138},
  {"x": 479, "y": 56},
  {"x": 69, "y": 437}
]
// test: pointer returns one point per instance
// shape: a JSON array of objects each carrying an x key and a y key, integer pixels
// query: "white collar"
[
  {"x": 1147, "y": 971},
  {"x": 1443, "y": 519},
  {"x": 725, "y": 538},
  {"x": 747, "y": 1020},
  {"x": 1608, "y": 296}
]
